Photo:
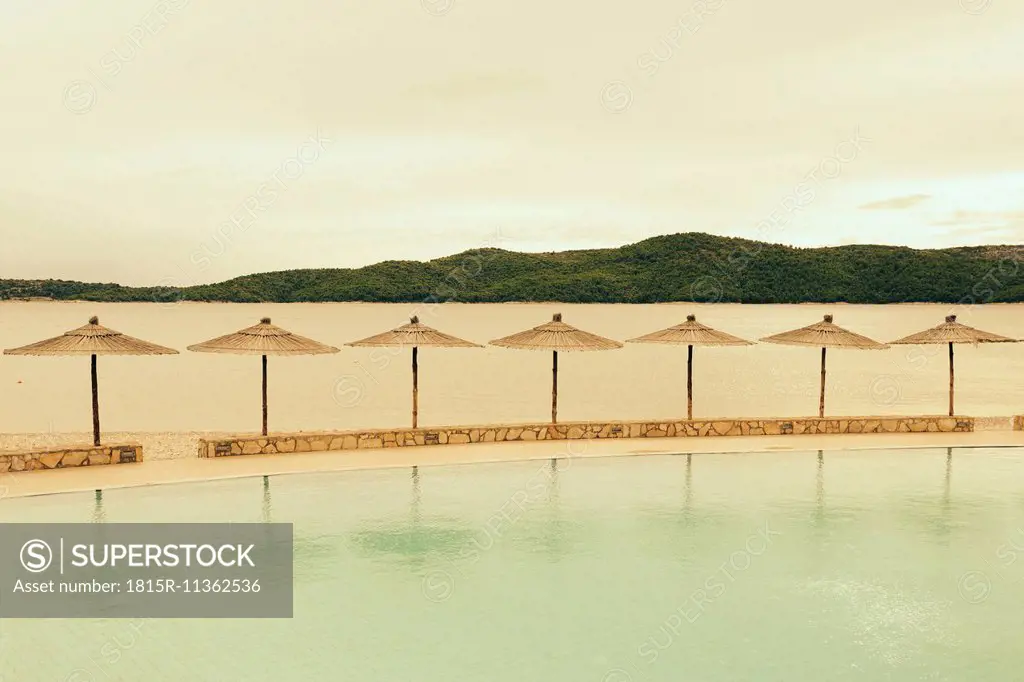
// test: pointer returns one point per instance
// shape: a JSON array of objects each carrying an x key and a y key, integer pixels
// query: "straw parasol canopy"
[
  {"x": 691, "y": 333},
  {"x": 950, "y": 332},
  {"x": 414, "y": 335},
  {"x": 556, "y": 336},
  {"x": 93, "y": 340},
  {"x": 824, "y": 335},
  {"x": 263, "y": 339}
]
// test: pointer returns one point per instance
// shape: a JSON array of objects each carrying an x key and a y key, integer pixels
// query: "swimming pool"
[{"x": 896, "y": 565}]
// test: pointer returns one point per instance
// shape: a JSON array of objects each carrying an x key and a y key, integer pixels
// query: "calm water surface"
[{"x": 898, "y": 565}]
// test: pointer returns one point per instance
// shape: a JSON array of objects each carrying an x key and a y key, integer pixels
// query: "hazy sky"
[{"x": 184, "y": 141}]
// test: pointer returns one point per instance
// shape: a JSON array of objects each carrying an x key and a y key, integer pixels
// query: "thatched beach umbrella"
[
  {"x": 951, "y": 332},
  {"x": 263, "y": 339},
  {"x": 824, "y": 335},
  {"x": 93, "y": 340},
  {"x": 555, "y": 336},
  {"x": 691, "y": 333},
  {"x": 414, "y": 335}
]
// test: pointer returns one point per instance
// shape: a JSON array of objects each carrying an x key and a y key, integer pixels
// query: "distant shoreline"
[
  {"x": 807, "y": 304},
  {"x": 680, "y": 268}
]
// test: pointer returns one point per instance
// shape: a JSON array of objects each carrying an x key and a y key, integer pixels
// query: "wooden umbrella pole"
[
  {"x": 95, "y": 404},
  {"x": 689, "y": 383},
  {"x": 951, "y": 377},
  {"x": 554, "y": 387},
  {"x": 264, "y": 395},
  {"x": 415, "y": 386},
  {"x": 821, "y": 399}
]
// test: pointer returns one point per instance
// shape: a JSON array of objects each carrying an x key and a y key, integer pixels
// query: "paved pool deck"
[{"x": 187, "y": 470}]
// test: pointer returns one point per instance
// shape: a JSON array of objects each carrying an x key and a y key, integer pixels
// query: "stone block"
[
  {"x": 286, "y": 445},
  {"x": 75, "y": 458},
  {"x": 458, "y": 438},
  {"x": 50, "y": 460}
]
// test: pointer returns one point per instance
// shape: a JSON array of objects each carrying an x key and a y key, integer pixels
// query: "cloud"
[
  {"x": 984, "y": 226},
  {"x": 896, "y": 203},
  {"x": 979, "y": 218}
]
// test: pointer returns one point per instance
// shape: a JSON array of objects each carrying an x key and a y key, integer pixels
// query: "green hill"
[{"x": 679, "y": 267}]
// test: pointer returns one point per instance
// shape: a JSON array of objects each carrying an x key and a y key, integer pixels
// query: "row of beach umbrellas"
[{"x": 265, "y": 339}]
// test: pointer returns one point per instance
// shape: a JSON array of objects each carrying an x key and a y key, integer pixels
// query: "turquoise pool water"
[{"x": 898, "y": 565}]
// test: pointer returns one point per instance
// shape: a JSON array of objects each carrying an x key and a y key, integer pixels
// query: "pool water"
[{"x": 875, "y": 565}]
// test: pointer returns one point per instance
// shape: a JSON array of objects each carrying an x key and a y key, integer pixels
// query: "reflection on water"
[
  {"x": 413, "y": 539},
  {"x": 783, "y": 566},
  {"x": 267, "y": 507},
  {"x": 819, "y": 490},
  {"x": 97, "y": 513}
]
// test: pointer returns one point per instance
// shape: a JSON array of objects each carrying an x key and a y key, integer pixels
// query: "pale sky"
[{"x": 134, "y": 130}]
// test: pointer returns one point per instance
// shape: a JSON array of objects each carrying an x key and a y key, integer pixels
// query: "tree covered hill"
[{"x": 678, "y": 267}]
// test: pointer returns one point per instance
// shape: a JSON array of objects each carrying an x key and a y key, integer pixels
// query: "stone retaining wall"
[
  {"x": 1018, "y": 423},
  {"x": 61, "y": 458},
  {"x": 390, "y": 438}
]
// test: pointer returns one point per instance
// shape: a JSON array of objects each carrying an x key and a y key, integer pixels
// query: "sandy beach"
[
  {"x": 167, "y": 403},
  {"x": 370, "y": 387}
]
